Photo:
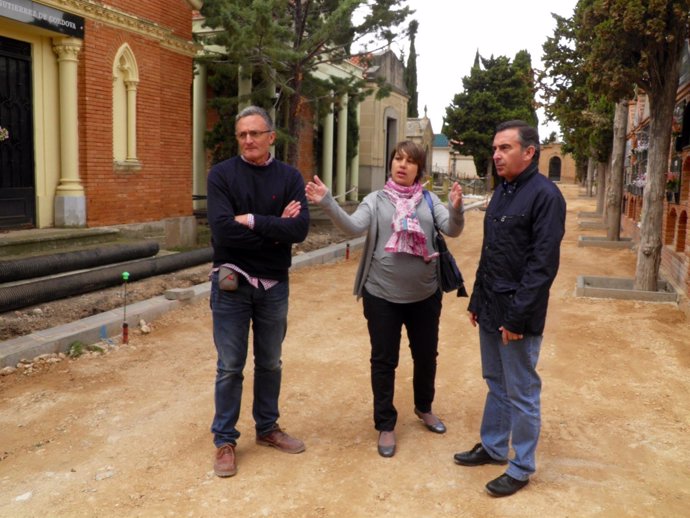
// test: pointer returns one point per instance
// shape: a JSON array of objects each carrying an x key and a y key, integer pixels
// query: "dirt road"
[{"x": 127, "y": 433}]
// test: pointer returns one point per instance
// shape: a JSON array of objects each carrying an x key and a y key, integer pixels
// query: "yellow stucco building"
[
  {"x": 558, "y": 166},
  {"x": 383, "y": 122}
]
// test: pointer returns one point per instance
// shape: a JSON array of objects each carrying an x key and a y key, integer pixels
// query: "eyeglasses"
[{"x": 253, "y": 134}]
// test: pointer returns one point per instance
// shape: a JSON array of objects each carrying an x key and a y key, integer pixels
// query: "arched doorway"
[{"x": 555, "y": 169}]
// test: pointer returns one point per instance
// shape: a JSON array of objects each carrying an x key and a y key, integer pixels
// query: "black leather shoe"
[
  {"x": 387, "y": 450},
  {"x": 477, "y": 456},
  {"x": 436, "y": 427},
  {"x": 505, "y": 485}
]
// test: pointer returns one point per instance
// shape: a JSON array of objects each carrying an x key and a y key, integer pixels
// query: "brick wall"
[
  {"x": 175, "y": 15},
  {"x": 162, "y": 188},
  {"x": 176, "y": 130}
]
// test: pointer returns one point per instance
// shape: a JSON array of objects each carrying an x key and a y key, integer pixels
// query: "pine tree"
[{"x": 280, "y": 43}]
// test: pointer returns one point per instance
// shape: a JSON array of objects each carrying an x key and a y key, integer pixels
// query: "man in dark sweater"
[{"x": 256, "y": 210}]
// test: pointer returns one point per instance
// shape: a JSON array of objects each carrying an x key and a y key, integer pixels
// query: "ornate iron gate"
[{"x": 17, "y": 183}]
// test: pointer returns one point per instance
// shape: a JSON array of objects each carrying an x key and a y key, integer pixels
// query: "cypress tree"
[{"x": 411, "y": 73}]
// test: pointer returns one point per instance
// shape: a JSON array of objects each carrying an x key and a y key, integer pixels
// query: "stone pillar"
[
  {"x": 327, "y": 149},
  {"x": 198, "y": 133},
  {"x": 131, "y": 121},
  {"x": 70, "y": 202},
  {"x": 354, "y": 169},
  {"x": 341, "y": 155}
]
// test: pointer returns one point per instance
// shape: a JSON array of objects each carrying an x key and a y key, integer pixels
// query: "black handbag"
[{"x": 451, "y": 278}]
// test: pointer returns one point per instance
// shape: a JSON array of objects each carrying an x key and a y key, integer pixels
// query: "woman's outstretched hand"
[
  {"x": 316, "y": 190},
  {"x": 455, "y": 195}
]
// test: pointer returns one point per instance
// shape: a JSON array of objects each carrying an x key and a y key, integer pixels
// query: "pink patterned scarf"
[{"x": 408, "y": 236}]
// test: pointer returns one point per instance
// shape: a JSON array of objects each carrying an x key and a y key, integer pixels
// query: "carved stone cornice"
[{"x": 96, "y": 11}]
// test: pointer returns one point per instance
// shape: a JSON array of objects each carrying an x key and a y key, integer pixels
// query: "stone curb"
[
  {"x": 602, "y": 242},
  {"x": 623, "y": 289}
]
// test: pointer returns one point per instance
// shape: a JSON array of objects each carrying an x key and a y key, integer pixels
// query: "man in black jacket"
[
  {"x": 523, "y": 228},
  {"x": 256, "y": 210}
]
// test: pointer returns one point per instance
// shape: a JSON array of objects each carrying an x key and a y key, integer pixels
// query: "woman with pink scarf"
[{"x": 398, "y": 280}]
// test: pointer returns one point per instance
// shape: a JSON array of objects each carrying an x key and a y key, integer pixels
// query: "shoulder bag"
[{"x": 451, "y": 278}]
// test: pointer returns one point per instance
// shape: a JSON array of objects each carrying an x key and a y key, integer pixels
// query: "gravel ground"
[{"x": 127, "y": 433}]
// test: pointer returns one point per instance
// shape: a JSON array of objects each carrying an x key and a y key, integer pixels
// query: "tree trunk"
[
  {"x": 608, "y": 181},
  {"x": 590, "y": 175},
  {"x": 244, "y": 87},
  {"x": 614, "y": 191},
  {"x": 661, "y": 104},
  {"x": 601, "y": 186},
  {"x": 294, "y": 121}
]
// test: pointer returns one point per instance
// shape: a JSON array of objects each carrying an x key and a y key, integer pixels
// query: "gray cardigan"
[{"x": 363, "y": 221}]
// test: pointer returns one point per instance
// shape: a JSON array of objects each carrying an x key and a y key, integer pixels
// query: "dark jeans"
[
  {"x": 385, "y": 320},
  {"x": 232, "y": 313}
]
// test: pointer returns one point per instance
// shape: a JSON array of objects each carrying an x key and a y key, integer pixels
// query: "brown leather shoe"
[
  {"x": 281, "y": 441},
  {"x": 224, "y": 465}
]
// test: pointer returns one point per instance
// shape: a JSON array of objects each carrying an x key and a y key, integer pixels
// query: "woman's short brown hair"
[{"x": 414, "y": 152}]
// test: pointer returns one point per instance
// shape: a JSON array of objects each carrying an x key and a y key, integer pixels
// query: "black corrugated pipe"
[
  {"x": 40, "y": 266},
  {"x": 28, "y": 294}
]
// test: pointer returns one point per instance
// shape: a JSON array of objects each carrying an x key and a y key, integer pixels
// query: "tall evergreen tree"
[
  {"x": 477, "y": 60},
  {"x": 636, "y": 43},
  {"x": 563, "y": 87},
  {"x": 280, "y": 44},
  {"x": 586, "y": 119},
  {"x": 411, "y": 73},
  {"x": 495, "y": 91}
]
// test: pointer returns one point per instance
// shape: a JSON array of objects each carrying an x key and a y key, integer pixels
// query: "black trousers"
[{"x": 384, "y": 321}]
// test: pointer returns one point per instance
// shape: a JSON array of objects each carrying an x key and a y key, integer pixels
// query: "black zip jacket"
[{"x": 523, "y": 228}]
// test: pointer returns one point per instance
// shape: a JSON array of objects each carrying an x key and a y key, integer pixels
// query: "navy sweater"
[{"x": 236, "y": 187}]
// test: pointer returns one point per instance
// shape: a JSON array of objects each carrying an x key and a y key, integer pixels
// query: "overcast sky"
[{"x": 451, "y": 31}]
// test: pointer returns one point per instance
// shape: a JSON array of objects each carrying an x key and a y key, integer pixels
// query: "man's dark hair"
[{"x": 528, "y": 135}]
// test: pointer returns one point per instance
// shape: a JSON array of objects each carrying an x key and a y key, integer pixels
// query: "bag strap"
[{"x": 427, "y": 197}]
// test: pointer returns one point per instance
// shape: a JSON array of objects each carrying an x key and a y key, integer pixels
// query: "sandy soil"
[{"x": 127, "y": 433}]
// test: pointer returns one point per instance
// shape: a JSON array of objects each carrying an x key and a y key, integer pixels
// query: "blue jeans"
[
  {"x": 232, "y": 311},
  {"x": 512, "y": 410}
]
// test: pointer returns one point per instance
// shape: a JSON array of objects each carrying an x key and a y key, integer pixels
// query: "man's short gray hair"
[{"x": 256, "y": 110}]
